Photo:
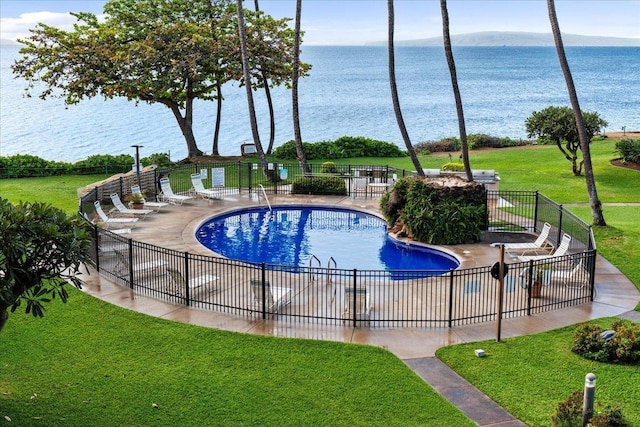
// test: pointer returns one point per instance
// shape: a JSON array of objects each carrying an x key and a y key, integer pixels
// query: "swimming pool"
[{"x": 293, "y": 235}]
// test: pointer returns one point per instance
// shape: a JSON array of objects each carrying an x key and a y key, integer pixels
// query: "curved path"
[{"x": 174, "y": 227}]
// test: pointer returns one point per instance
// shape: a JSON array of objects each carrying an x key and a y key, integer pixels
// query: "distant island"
[{"x": 514, "y": 38}]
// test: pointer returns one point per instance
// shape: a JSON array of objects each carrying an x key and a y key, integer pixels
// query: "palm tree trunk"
[
  {"x": 594, "y": 201},
  {"x": 302, "y": 158},
  {"x": 446, "y": 37},
  {"x": 216, "y": 132},
  {"x": 247, "y": 84},
  {"x": 394, "y": 94},
  {"x": 267, "y": 93}
]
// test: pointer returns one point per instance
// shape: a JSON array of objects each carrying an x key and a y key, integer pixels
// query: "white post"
[{"x": 589, "y": 396}]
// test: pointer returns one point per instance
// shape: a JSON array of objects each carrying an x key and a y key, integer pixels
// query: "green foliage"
[
  {"x": 332, "y": 186},
  {"x": 41, "y": 249},
  {"x": 450, "y": 144},
  {"x": 24, "y": 165},
  {"x": 624, "y": 347},
  {"x": 453, "y": 167},
  {"x": 557, "y": 125},
  {"x": 161, "y": 160},
  {"x": 569, "y": 414},
  {"x": 629, "y": 150},
  {"x": 328, "y": 167},
  {"x": 437, "y": 215},
  {"x": 343, "y": 147},
  {"x": 481, "y": 140}
]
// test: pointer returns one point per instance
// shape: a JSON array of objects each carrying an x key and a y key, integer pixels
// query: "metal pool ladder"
[{"x": 265, "y": 197}]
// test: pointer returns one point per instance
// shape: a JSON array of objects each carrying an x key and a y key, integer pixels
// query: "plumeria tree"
[{"x": 41, "y": 251}]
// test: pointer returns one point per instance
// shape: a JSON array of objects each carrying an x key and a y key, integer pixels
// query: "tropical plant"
[
  {"x": 41, "y": 251},
  {"x": 629, "y": 150},
  {"x": 584, "y": 135},
  {"x": 394, "y": 91}
]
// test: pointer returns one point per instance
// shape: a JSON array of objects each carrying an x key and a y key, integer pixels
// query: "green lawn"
[{"x": 79, "y": 363}]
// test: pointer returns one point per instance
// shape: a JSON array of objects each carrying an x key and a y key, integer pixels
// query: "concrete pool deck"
[{"x": 174, "y": 227}]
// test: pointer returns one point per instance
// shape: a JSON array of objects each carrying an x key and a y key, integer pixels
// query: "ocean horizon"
[{"x": 347, "y": 93}]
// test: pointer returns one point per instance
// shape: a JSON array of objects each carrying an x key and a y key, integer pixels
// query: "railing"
[{"x": 361, "y": 297}]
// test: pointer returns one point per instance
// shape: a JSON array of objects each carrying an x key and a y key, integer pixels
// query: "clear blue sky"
[{"x": 340, "y": 22}]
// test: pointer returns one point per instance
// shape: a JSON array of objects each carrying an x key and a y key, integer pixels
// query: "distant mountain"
[
  {"x": 513, "y": 38},
  {"x": 7, "y": 42}
]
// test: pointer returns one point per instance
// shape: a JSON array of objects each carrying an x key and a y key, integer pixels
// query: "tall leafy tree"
[
  {"x": 596, "y": 206},
  {"x": 557, "y": 125},
  {"x": 394, "y": 91},
  {"x": 267, "y": 94},
  {"x": 446, "y": 38},
  {"x": 302, "y": 158}
]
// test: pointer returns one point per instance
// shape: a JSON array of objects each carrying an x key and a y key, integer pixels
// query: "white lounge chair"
[
  {"x": 195, "y": 283},
  {"x": 563, "y": 247},
  {"x": 275, "y": 297},
  {"x": 110, "y": 221},
  {"x": 198, "y": 186},
  {"x": 115, "y": 199},
  {"x": 168, "y": 194},
  {"x": 356, "y": 303},
  {"x": 539, "y": 247},
  {"x": 151, "y": 205},
  {"x": 122, "y": 264},
  {"x": 577, "y": 277}
]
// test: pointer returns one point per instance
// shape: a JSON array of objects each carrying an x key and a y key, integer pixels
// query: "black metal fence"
[{"x": 354, "y": 297}]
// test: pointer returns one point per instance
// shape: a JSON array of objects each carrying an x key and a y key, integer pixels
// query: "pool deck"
[{"x": 174, "y": 227}]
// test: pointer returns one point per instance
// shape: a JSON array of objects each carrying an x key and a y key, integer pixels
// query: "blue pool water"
[{"x": 292, "y": 235}]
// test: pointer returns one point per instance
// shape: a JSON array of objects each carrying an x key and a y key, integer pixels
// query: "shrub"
[
  {"x": 624, "y": 347},
  {"x": 161, "y": 160},
  {"x": 328, "y": 167},
  {"x": 345, "y": 146},
  {"x": 569, "y": 414},
  {"x": 330, "y": 186},
  {"x": 453, "y": 167},
  {"x": 444, "y": 145},
  {"x": 434, "y": 214},
  {"x": 629, "y": 150}
]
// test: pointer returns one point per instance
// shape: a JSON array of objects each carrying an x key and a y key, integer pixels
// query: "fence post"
[
  {"x": 131, "y": 263},
  {"x": 263, "y": 279},
  {"x": 450, "y": 297},
  {"x": 96, "y": 237},
  {"x": 560, "y": 212},
  {"x": 535, "y": 213},
  {"x": 529, "y": 286},
  {"x": 355, "y": 297},
  {"x": 486, "y": 209},
  {"x": 186, "y": 278}
]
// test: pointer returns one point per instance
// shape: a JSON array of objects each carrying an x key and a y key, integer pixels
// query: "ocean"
[{"x": 346, "y": 93}]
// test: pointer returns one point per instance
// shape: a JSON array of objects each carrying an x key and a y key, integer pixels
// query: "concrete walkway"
[{"x": 175, "y": 228}]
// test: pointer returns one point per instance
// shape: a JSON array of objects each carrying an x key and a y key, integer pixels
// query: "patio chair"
[
  {"x": 275, "y": 296},
  {"x": 562, "y": 250},
  {"x": 356, "y": 304},
  {"x": 109, "y": 221},
  {"x": 195, "y": 283},
  {"x": 122, "y": 266},
  {"x": 169, "y": 196},
  {"x": 115, "y": 199},
  {"x": 151, "y": 205},
  {"x": 577, "y": 277},
  {"x": 539, "y": 247},
  {"x": 198, "y": 186}
]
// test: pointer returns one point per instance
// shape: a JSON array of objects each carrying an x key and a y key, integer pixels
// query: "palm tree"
[
  {"x": 302, "y": 158},
  {"x": 394, "y": 94},
  {"x": 446, "y": 38},
  {"x": 594, "y": 201},
  {"x": 247, "y": 83}
]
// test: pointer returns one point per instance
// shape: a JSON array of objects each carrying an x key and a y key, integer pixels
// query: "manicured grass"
[
  {"x": 529, "y": 375},
  {"x": 92, "y": 363}
]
